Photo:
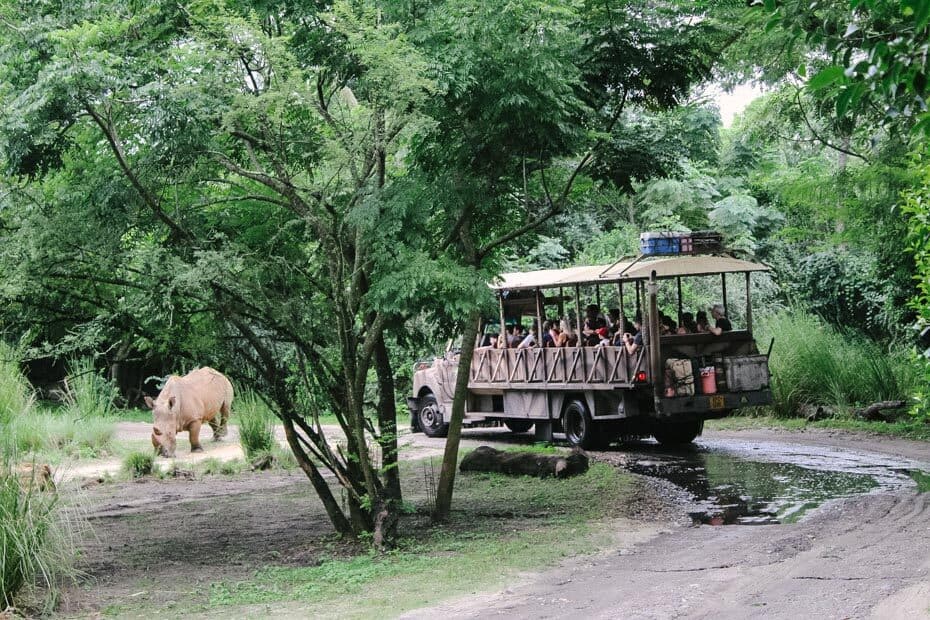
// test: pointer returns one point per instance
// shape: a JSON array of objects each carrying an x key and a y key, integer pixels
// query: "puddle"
[{"x": 746, "y": 483}]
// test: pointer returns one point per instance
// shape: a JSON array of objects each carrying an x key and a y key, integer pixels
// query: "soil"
[{"x": 860, "y": 557}]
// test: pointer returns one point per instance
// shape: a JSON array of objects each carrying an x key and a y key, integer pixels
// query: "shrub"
[
  {"x": 256, "y": 425},
  {"x": 139, "y": 464},
  {"x": 17, "y": 400},
  {"x": 89, "y": 395},
  {"x": 813, "y": 363},
  {"x": 36, "y": 548}
]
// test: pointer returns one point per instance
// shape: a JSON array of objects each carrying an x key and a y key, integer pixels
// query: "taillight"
[{"x": 641, "y": 376}]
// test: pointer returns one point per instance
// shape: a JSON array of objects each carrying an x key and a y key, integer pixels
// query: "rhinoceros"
[{"x": 185, "y": 403}]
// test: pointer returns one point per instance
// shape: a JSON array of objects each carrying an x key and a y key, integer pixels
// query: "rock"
[{"x": 263, "y": 463}]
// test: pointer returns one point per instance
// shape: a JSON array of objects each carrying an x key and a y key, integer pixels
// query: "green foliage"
[
  {"x": 139, "y": 464},
  {"x": 814, "y": 364},
  {"x": 36, "y": 545},
  {"x": 877, "y": 51},
  {"x": 88, "y": 394},
  {"x": 256, "y": 425}
]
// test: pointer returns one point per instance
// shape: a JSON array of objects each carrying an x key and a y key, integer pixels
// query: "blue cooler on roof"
[{"x": 657, "y": 243}]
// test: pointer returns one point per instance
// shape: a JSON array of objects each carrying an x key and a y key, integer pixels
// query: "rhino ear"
[
  {"x": 171, "y": 402},
  {"x": 149, "y": 402}
]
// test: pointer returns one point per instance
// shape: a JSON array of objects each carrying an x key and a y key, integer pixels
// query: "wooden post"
[
  {"x": 723, "y": 284},
  {"x": 597, "y": 295},
  {"x": 622, "y": 311},
  {"x": 748, "y": 305},
  {"x": 539, "y": 317},
  {"x": 500, "y": 297},
  {"x": 578, "y": 315},
  {"x": 655, "y": 354},
  {"x": 639, "y": 306},
  {"x": 562, "y": 303},
  {"x": 679, "y": 299}
]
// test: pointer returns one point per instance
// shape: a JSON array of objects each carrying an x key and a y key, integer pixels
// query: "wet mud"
[{"x": 754, "y": 483}]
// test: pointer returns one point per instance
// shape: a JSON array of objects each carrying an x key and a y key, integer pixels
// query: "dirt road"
[{"x": 863, "y": 557}]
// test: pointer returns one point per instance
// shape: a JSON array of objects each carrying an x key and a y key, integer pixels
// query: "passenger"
[
  {"x": 604, "y": 335},
  {"x": 688, "y": 325},
  {"x": 567, "y": 336},
  {"x": 701, "y": 322},
  {"x": 589, "y": 337},
  {"x": 591, "y": 312},
  {"x": 633, "y": 342},
  {"x": 530, "y": 340},
  {"x": 723, "y": 323},
  {"x": 546, "y": 337},
  {"x": 613, "y": 319},
  {"x": 666, "y": 325},
  {"x": 553, "y": 334}
]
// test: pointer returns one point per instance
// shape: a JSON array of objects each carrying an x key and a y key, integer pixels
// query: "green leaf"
[{"x": 826, "y": 77}]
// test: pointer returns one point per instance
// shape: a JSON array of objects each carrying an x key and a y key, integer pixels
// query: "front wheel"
[
  {"x": 678, "y": 433},
  {"x": 430, "y": 417},
  {"x": 578, "y": 426},
  {"x": 518, "y": 426}
]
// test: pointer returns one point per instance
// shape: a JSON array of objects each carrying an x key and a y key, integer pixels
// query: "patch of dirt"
[{"x": 154, "y": 539}]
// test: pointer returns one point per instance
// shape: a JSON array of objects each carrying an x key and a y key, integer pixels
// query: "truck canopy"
[{"x": 625, "y": 271}]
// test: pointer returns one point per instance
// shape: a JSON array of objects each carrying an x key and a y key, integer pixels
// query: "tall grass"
[
  {"x": 83, "y": 427},
  {"x": 813, "y": 363},
  {"x": 256, "y": 425},
  {"x": 36, "y": 545}
]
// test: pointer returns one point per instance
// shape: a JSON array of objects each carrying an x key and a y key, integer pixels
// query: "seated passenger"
[
  {"x": 688, "y": 326},
  {"x": 613, "y": 319},
  {"x": 604, "y": 335},
  {"x": 567, "y": 337},
  {"x": 530, "y": 340},
  {"x": 589, "y": 337},
  {"x": 546, "y": 336},
  {"x": 723, "y": 323},
  {"x": 632, "y": 342},
  {"x": 700, "y": 322}
]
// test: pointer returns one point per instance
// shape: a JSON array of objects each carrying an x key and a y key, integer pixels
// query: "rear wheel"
[
  {"x": 518, "y": 426},
  {"x": 678, "y": 433},
  {"x": 430, "y": 417},
  {"x": 579, "y": 428}
]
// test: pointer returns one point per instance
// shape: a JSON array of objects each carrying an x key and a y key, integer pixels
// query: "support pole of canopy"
[
  {"x": 539, "y": 318},
  {"x": 639, "y": 304},
  {"x": 748, "y": 305},
  {"x": 679, "y": 299},
  {"x": 622, "y": 310},
  {"x": 500, "y": 297},
  {"x": 561, "y": 303},
  {"x": 655, "y": 355},
  {"x": 597, "y": 295},
  {"x": 723, "y": 285},
  {"x": 578, "y": 315}
]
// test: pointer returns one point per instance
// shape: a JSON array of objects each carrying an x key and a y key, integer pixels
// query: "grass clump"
[
  {"x": 139, "y": 464},
  {"x": 814, "y": 364},
  {"x": 36, "y": 547},
  {"x": 256, "y": 426},
  {"x": 213, "y": 466}
]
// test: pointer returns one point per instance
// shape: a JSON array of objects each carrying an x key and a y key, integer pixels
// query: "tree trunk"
[
  {"x": 451, "y": 455},
  {"x": 387, "y": 420},
  {"x": 320, "y": 485}
]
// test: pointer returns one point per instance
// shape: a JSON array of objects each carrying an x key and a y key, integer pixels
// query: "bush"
[
  {"x": 17, "y": 400},
  {"x": 815, "y": 364},
  {"x": 34, "y": 547},
  {"x": 89, "y": 395},
  {"x": 256, "y": 426},
  {"x": 139, "y": 464}
]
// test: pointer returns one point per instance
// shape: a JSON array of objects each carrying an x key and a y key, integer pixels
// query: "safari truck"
[{"x": 666, "y": 387}]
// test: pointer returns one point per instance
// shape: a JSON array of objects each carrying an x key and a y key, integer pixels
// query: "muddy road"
[
  {"x": 773, "y": 524},
  {"x": 770, "y": 524}
]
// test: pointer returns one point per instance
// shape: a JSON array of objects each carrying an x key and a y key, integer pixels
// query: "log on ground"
[{"x": 485, "y": 458}]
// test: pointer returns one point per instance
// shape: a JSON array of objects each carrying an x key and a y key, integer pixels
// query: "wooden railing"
[{"x": 558, "y": 368}]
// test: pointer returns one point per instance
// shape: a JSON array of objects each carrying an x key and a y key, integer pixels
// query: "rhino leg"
[
  {"x": 220, "y": 430},
  {"x": 194, "y": 432}
]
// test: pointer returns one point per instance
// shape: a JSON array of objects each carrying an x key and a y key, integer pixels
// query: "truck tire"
[
  {"x": 518, "y": 426},
  {"x": 431, "y": 422},
  {"x": 678, "y": 433},
  {"x": 580, "y": 430}
]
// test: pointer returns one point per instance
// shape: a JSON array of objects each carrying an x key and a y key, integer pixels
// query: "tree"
[{"x": 240, "y": 164}]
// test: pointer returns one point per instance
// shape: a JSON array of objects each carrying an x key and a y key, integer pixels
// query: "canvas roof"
[{"x": 625, "y": 271}]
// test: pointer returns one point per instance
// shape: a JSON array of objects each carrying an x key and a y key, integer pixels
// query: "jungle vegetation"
[{"x": 310, "y": 194}]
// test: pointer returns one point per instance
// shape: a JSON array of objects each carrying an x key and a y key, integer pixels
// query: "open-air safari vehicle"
[{"x": 596, "y": 394}]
